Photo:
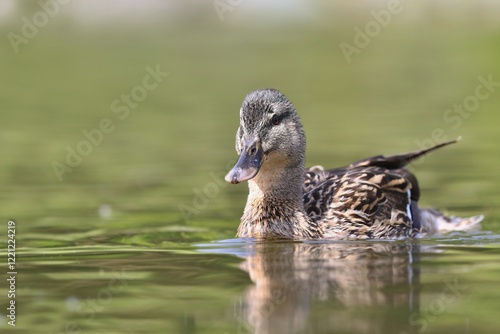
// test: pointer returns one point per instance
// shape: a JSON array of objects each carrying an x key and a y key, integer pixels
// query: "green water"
[{"x": 137, "y": 236}]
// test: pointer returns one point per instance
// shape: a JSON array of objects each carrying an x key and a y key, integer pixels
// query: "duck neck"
[
  {"x": 275, "y": 208},
  {"x": 277, "y": 188}
]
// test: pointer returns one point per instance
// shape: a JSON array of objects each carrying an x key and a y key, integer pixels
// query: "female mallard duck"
[{"x": 371, "y": 198}]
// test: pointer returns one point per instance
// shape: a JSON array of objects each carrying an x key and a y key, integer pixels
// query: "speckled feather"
[
  {"x": 359, "y": 202},
  {"x": 371, "y": 198}
]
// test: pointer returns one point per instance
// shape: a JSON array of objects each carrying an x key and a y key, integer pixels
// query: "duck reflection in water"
[{"x": 343, "y": 286}]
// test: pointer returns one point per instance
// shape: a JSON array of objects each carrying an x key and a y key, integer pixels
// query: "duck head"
[{"x": 270, "y": 136}]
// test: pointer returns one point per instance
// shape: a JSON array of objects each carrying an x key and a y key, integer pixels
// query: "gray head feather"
[{"x": 268, "y": 114}]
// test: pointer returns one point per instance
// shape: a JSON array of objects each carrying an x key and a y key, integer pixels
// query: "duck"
[{"x": 373, "y": 198}]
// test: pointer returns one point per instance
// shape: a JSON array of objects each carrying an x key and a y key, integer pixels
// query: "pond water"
[
  {"x": 240, "y": 286},
  {"x": 136, "y": 235}
]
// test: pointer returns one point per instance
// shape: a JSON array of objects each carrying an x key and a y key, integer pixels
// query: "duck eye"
[{"x": 275, "y": 119}]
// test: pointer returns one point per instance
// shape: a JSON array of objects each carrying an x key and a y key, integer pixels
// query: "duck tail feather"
[
  {"x": 434, "y": 221},
  {"x": 400, "y": 160}
]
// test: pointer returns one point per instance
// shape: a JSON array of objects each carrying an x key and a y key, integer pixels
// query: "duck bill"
[{"x": 248, "y": 164}]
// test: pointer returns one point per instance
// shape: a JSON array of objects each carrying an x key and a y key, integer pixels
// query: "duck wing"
[
  {"x": 371, "y": 198},
  {"x": 362, "y": 202}
]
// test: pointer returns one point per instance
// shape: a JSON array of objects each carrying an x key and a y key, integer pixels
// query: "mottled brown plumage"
[{"x": 371, "y": 198}]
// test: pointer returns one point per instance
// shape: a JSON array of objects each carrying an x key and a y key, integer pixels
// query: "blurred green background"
[
  {"x": 391, "y": 96},
  {"x": 155, "y": 180}
]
